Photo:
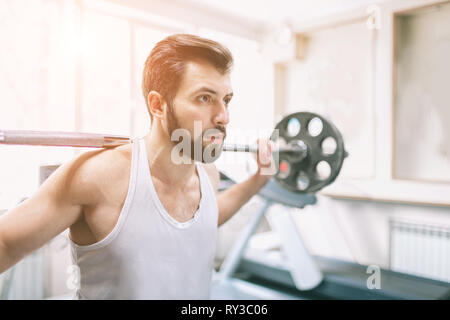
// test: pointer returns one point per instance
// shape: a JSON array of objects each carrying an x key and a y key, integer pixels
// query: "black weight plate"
[{"x": 315, "y": 152}]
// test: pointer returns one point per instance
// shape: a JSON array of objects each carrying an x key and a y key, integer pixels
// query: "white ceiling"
[
  {"x": 247, "y": 18},
  {"x": 276, "y": 11}
]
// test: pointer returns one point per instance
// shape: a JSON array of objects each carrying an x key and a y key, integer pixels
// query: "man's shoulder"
[
  {"x": 105, "y": 161},
  {"x": 94, "y": 171}
]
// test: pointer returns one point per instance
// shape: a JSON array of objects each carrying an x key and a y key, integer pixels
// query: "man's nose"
[{"x": 221, "y": 116}]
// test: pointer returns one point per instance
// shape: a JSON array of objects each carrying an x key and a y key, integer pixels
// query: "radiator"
[{"x": 420, "y": 249}]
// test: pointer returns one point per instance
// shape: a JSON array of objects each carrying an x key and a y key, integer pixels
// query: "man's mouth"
[{"x": 216, "y": 138}]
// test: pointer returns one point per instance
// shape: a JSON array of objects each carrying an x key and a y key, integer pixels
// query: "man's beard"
[{"x": 212, "y": 150}]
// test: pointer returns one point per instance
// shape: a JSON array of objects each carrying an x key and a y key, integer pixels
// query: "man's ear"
[{"x": 156, "y": 104}]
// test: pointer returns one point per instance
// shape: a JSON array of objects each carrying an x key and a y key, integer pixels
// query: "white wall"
[
  {"x": 82, "y": 71},
  {"x": 356, "y": 230}
]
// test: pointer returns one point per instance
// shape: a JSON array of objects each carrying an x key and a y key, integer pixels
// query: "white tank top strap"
[{"x": 132, "y": 182}]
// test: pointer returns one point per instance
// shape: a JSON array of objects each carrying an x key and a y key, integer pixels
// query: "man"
[{"x": 143, "y": 225}]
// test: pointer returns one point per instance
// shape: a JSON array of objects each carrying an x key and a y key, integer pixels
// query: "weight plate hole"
[
  {"x": 284, "y": 169},
  {"x": 302, "y": 181},
  {"x": 329, "y": 146},
  {"x": 323, "y": 170},
  {"x": 293, "y": 127},
  {"x": 315, "y": 127}
]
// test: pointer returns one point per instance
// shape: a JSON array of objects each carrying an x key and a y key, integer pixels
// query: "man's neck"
[{"x": 159, "y": 150}]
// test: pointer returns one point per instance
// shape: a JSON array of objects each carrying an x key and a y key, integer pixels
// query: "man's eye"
[
  {"x": 227, "y": 101},
  {"x": 204, "y": 98}
]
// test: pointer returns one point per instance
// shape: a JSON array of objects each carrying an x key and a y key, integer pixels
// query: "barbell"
[{"x": 310, "y": 149}]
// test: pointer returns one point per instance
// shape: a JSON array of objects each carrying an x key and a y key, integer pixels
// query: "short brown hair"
[{"x": 164, "y": 66}]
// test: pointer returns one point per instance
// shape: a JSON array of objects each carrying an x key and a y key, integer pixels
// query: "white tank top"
[{"x": 148, "y": 254}]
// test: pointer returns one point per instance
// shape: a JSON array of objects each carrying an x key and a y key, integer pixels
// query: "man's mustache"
[{"x": 222, "y": 130}]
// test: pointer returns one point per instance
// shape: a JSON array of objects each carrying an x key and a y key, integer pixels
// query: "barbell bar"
[
  {"x": 300, "y": 152},
  {"x": 61, "y": 139},
  {"x": 97, "y": 140}
]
